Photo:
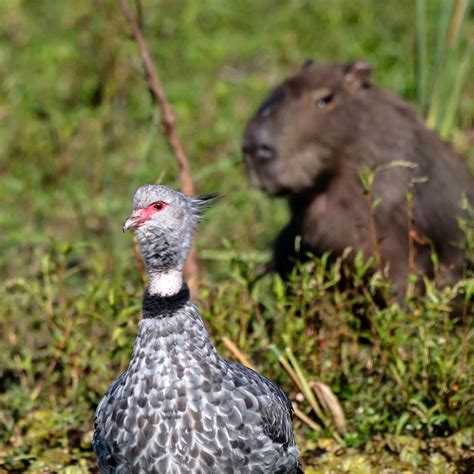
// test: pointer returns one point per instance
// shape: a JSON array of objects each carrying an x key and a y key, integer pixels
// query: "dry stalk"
[
  {"x": 330, "y": 403},
  {"x": 237, "y": 353},
  {"x": 306, "y": 419},
  {"x": 413, "y": 235},
  {"x": 138, "y": 258}
]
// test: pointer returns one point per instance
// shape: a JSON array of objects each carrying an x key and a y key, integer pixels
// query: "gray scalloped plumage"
[{"x": 180, "y": 407}]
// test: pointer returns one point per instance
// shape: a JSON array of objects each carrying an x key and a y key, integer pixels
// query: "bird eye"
[
  {"x": 159, "y": 206},
  {"x": 323, "y": 101}
]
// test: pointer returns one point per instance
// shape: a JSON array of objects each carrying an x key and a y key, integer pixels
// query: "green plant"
[{"x": 441, "y": 78}]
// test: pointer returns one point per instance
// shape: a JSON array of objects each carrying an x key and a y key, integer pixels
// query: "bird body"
[{"x": 180, "y": 407}]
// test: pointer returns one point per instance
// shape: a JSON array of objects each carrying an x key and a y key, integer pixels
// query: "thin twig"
[
  {"x": 138, "y": 258},
  {"x": 305, "y": 418},
  {"x": 237, "y": 353},
  {"x": 413, "y": 236},
  {"x": 168, "y": 122},
  {"x": 167, "y": 117}
]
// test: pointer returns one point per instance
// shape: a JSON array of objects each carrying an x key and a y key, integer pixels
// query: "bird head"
[{"x": 164, "y": 221}]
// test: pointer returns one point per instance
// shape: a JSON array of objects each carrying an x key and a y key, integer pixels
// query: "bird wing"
[
  {"x": 277, "y": 411},
  {"x": 106, "y": 459}
]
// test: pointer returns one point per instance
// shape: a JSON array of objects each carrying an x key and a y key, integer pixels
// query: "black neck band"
[{"x": 159, "y": 306}]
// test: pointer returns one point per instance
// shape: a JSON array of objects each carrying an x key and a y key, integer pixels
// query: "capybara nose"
[
  {"x": 256, "y": 144},
  {"x": 264, "y": 152},
  {"x": 260, "y": 152}
]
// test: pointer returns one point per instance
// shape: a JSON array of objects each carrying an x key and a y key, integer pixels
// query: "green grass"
[{"x": 79, "y": 132}]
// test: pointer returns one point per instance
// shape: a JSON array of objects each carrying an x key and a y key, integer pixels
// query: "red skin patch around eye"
[
  {"x": 140, "y": 216},
  {"x": 148, "y": 212}
]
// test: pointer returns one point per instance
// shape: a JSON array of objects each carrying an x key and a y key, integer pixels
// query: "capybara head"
[{"x": 291, "y": 144}]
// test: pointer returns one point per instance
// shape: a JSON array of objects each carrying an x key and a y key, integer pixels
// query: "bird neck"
[
  {"x": 158, "y": 306},
  {"x": 164, "y": 256},
  {"x": 165, "y": 282}
]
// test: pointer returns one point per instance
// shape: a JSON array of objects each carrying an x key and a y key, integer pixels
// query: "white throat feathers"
[{"x": 167, "y": 283}]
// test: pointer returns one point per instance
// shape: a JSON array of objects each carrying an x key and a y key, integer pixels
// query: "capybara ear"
[
  {"x": 357, "y": 74},
  {"x": 307, "y": 63}
]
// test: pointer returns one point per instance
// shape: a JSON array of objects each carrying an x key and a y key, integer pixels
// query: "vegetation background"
[{"x": 79, "y": 133}]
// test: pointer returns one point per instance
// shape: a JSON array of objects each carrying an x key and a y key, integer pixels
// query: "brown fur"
[{"x": 309, "y": 141}]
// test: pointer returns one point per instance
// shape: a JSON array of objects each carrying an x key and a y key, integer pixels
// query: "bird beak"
[{"x": 134, "y": 221}]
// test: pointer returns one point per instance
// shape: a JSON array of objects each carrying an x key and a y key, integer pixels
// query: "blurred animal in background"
[{"x": 310, "y": 140}]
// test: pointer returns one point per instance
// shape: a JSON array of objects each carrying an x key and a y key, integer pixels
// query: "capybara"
[{"x": 310, "y": 140}]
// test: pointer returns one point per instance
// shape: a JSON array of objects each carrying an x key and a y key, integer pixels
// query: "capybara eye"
[{"x": 323, "y": 101}]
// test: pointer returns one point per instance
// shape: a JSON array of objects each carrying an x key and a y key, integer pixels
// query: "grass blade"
[
  {"x": 421, "y": 54},
  {"x": 455, "y": 96}
]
